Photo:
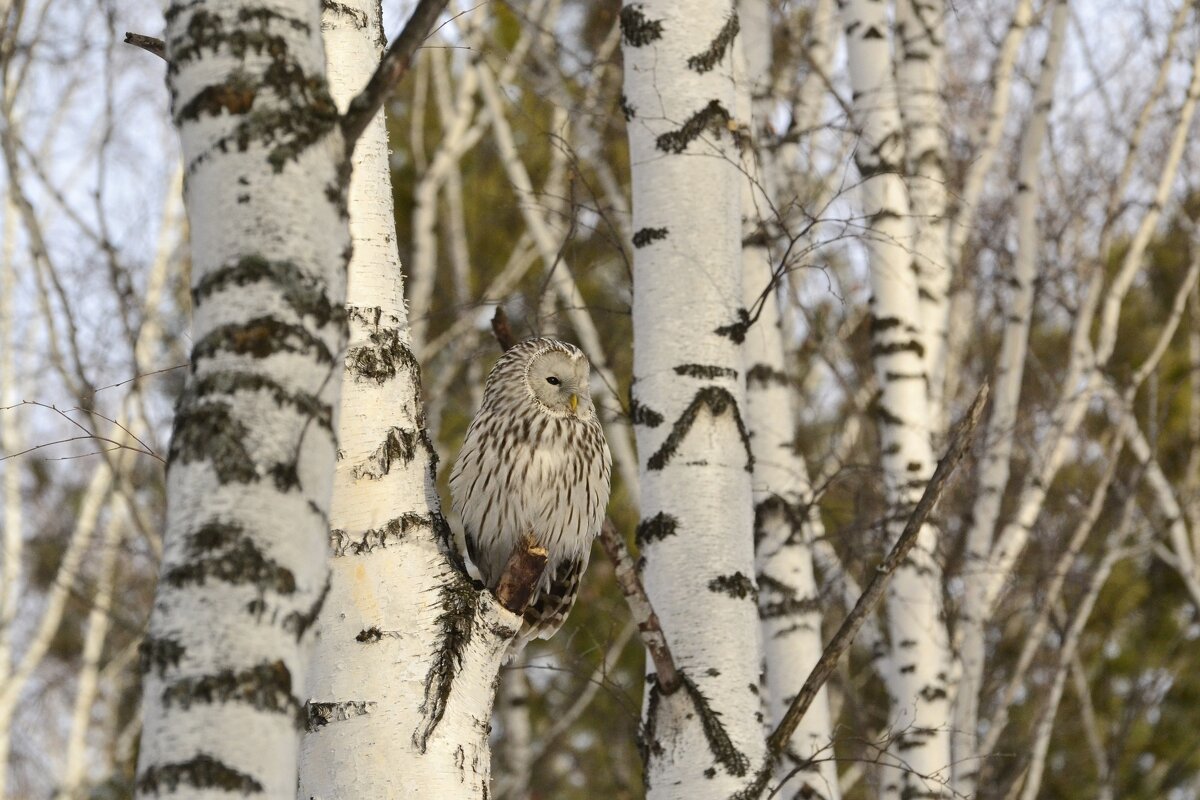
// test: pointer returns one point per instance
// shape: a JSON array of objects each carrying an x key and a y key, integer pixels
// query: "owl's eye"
[{"x": 553, "y": 381}]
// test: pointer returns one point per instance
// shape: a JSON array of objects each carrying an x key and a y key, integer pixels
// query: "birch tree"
[
  {"x": 689, "y": 395},
  {"x": 252, "y": 454},
  {"x": 918, "y": 667},
  {"x": 785, "y": 518},
  {"x": 397, "y": 594}
]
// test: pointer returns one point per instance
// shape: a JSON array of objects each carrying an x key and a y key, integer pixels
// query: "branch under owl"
[{"x": 521, "y": 575}]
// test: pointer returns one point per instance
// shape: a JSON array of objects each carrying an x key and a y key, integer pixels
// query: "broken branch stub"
[{"x": 521, "y": 575}]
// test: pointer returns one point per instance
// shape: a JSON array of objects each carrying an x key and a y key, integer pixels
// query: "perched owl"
[{"x": 535, "y": 462}]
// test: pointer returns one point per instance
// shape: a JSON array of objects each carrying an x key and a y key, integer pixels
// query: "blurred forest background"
[{"x": 524, "y": 204}]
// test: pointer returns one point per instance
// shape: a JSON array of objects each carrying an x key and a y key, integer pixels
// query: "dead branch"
[
  {"x": 521, "y": 575},
  {"x": 871, "y": 597},
  {"x": 639, "y": 605},
  {"x": 147, "y": 43}
]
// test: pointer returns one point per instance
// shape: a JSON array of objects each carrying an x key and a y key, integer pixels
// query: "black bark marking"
[
  {"x": 358, "y": 18},
  {"x": 231, "y": 381},
  {"x": 375, "y": 634},
  {"x": 306, "y": 294},
  {"x": 647, "y": 742},
  {"x": 636, "y": 29},
  {"x": 321, "y": 714},
  {"x": 736, "y": 331},
  {"x": 267, "y": 686},
  {"x": 775, "y": 505},
  {"x": 912, "y": 345},
  {"x": 391, "y": 532},
  {"x": 261, "y": 337},
  {"x": 627, "y": 109},
  {"x": 765, "y": 375},
  {"x": 778, "y": 600},
  {"x": 222, "y": 551},
  {"x": 723, "y": 749},
  {"x": 201, "y": 772},
  {"x": 704, "y": 62},
  {"x": 644, "y": 415},
  {"x": 718, "y": 401},
  {"x": 298, "y": 622},
  {"x": 302, "y": 111},
  {"x": 872, "y": 33},
  {"x": 383, "y": 358},
  {"x": 706, "y": 371},
  {"x": 738, "y": 586},
  {"x": 713, "y": 118},
  {"x": 159, "y": 653},
  {"x": 207, "y": 431},
  {"x": 459, "y": 601},
  {"x": 647, "y": 235},
  {"x": 400, "y": 444},
  {"x": 655, "y": 529}
]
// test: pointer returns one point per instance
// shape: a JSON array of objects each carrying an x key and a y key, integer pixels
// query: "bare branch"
[
  {"x": 502, "y": 329},
  {"x": 639, "y": 605},
  {"x": 521, "y": 575},
  {"x": 883, "y": 573},
  {"x": 147, "y": 43}
]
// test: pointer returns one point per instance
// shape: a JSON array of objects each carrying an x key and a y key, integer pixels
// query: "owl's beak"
[{"x": 574, "y": 402}]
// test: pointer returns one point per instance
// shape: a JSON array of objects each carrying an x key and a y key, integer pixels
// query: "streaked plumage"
[{"x": 534, "y": 463}]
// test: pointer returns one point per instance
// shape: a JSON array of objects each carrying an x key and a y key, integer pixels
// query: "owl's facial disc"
[{"x": 559, "y": 382}]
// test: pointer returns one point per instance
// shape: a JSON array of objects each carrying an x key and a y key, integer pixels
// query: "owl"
[{"x": 534, "y": 462}]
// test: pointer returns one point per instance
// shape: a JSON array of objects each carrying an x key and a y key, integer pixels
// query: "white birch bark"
[
  {"x": 252, "y": 453},
  {"x": 918, "y": 665},
  {"x": 704, "y": 739},
  {"x": 97, "y": 626},
  {"x": 10, "y": 442},
  {"x": 516, "y": 733},
  {"x": 786, "y": 519},
  {"x": 408, "y": 651},
  {"x": 920, "y": 36},
  {"x": 1001, "y": 433}
]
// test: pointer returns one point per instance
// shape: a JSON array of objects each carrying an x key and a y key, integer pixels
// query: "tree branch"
[
  {"x": 879, "y": 581},
  {"x": 502, "y": 329},
  {"x": 391, "y": 68},
  {"x": 521, "y": 575},
  {"x": 639, "y": 605},
  {"x": 147, "y": 43}
]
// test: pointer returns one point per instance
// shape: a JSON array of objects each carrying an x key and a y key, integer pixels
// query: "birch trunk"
[
  {"x": 704, "y": 739},
  {"x": 917, "y": 669},
  {"x": 920, "y": 34},
  {"x": 10, "y": 442},
  {"x": 252, "y": 454},
  {"x": 786, "y": 520},
  {"x": 996, "y": 459},
  {"x": 408, "y": 651}
]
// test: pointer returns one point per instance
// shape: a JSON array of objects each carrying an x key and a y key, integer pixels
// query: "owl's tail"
[{"x": 549, "y": 608}]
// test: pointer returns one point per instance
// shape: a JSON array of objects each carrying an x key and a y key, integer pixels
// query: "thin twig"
[
  {"x": 879, "y": 581},
  {"x": 391, "y": 68},
  {"x": 147, "y": 43}
]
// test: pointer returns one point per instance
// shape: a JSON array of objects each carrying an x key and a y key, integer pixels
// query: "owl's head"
[{"x": 558, "y": 380}]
